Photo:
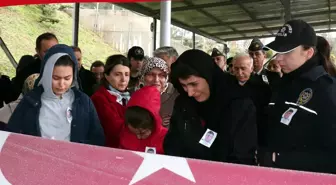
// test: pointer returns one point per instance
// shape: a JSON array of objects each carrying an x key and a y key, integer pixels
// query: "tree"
[{"x": 49, "y": 13}]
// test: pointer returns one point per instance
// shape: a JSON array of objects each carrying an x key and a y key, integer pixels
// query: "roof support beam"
[
  {"x": 329, "y": 6},
  {"x": 268, "y": 19},
  {"x": 189, "y": 3},
  {"x": 268, "y": 36},
  {"x": 146, "y": 11},
  {"x": 253, "y": 17},
  {"x": 275, "y": 28},
  {"x": 209, "y": 5},
  {"x": 287, "y": 7}
]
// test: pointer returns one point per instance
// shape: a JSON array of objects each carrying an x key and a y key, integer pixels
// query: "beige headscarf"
[
  {"x": 28, "y": 84},
  {"x": 149, "y": 64}
]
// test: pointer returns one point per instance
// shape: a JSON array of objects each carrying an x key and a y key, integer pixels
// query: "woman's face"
[
  {"x": 62, "y": 78},
  {"x": 196, "y": 87},
  {"x": 156, "y": 77},
  {"x": 119, "y": 77}
]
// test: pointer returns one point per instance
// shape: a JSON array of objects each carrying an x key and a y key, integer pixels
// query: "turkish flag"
[{"x": 31, "y": 160}]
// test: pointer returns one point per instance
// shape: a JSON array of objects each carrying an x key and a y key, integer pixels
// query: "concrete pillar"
[
  {"x": 75, "y": 24},
  {"x": 154, "y": 33},
  {"x": 165, "y": 18}
]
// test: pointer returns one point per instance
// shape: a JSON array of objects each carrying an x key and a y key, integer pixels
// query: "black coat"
[
  {"x": 27, "y": 66},
  {"x": 228, "y": 112},
  {"x": 269, "y": 77},
  {"x": 87, "y": 81},
  {"x": 307, "y": 141},
  {"x": 260, "y": 93},
  {"x": 236, "y": 140},
  {"x": 85, "y": 126},
  {"x": 5, "y": 92}
]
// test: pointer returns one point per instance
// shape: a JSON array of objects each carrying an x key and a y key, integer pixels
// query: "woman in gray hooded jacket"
[{"x": 56, "y": 109}]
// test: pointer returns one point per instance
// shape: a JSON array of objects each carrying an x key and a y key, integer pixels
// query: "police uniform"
[
  {"x": 301, "y": 120},
  {"x": 268, "y": 77},
  {"x": 215, "y": 53},
  {"x": 137, "y": 53}
]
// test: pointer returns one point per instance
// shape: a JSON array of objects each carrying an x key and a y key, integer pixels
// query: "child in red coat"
[{"x": 143, "y": 130}]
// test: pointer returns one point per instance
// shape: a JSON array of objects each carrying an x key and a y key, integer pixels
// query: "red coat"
[
  {"x": 111, "y": 115},
  {"x": 149, "y": 99}
]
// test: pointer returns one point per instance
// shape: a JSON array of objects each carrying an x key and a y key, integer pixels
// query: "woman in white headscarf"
[{"x": 155, "y": 72}]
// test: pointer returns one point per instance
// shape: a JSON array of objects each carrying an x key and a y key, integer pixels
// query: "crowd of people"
[{"x": 240, "y": 110}]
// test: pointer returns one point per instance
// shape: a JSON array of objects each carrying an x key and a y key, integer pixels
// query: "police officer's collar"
[
  {"x": 260, "y": 72},
  {"x": 315, "y": 73},
  {"x": 310, "y": 70}
]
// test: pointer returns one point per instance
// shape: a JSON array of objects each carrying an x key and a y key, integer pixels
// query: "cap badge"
[
  {"x": 285, "y": 30},
  {"x": 138, "y": 52}
]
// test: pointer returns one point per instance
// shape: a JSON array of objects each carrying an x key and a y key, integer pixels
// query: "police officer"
[
  {"x": 229, "y": 65},
  {"x": 219, "y": 58},
  {"x": 258, "y": 53},
  {"x": 301, "y": 133}
]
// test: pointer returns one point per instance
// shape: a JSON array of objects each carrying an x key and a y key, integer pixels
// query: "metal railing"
[{"x": 8, "y": 53}]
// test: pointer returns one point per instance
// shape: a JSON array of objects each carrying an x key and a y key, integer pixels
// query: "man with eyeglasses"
[{"x": 301, "y": 127}]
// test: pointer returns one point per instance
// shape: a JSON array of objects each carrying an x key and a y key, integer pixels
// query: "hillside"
[{"x": 19, "y": 27}]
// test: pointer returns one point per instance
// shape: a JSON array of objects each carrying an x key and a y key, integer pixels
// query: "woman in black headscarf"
[{"x": 212, "y": 118}]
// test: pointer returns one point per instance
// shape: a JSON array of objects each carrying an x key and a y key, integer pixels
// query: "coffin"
[{"x": 27, "y": 160}]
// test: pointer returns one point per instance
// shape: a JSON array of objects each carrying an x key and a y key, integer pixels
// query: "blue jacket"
[{"x": 85, "y": 126}]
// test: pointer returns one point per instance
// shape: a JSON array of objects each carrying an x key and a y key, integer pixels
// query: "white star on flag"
[{"x": 153, "y": 163}]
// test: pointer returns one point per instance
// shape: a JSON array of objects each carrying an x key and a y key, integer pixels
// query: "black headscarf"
[{"x": 222, "y": 85}]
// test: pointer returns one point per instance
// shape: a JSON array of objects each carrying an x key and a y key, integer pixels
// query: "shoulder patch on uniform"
[{"x": 305, "y": 96}]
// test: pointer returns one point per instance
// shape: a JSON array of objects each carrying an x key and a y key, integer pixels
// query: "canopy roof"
[{"x": 229, "y": 20}]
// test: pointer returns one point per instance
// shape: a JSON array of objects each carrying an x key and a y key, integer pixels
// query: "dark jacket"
[
  {"x": 269, "y": 77},
  {"x": 87, "y": 81},
  {"x": 27, "y": 66},
  {"x": 305, "y": 140},
  {"x": 260, "y": 93},
  {"x": 5, "y": 92},
  {"x": 85, "y": 126},
  {"x": 228, "y": 112}
]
